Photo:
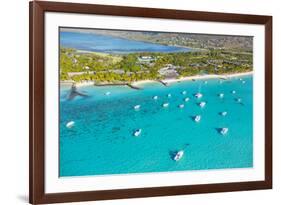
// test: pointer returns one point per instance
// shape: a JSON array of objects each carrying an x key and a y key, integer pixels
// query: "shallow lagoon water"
[
  {"x": 102, "y": 142},
  {"x": 110, "y": 44}
]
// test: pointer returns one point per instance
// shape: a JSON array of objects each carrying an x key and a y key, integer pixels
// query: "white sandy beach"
[
  {"x": 80, "y": 84},
  {"x": 200, "y": 77},
  {"x": 140, "y": 82},
  {"x": 169, "y": 81}
]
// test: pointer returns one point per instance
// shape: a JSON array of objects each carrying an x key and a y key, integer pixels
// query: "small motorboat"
[
  {"x": 221, "y": 95},
  {"x": 155, "y": 97},
  {"x": 240, "y": 79},
  {"x": 107, "y": 93},
  {"x": 223, "y": 113},
  {"x": 179, "y": 155},
  {"x": 233, "y": 91},
  {"x": 137, "y": 133},
  {"x": 186, "y": 99},
  {"x": 169, "y": 95},
  {"x": 165, "y": 105},
  {"x": 183, "y": 92},
  {"x": 205, "y": 82},
  {"x": 243, "y": 81},
  {"x": 202, "y": 104},
  {"x": 198, "y": 95},
  {"x": 197, "y": 118},
  {"x": 137, "y": 107},
  {"x": 70, "y": 124},
  {"x": 224, "y": 131},
  {"x": 239, "y": 100},
  {"x": 181, "y": 106}
]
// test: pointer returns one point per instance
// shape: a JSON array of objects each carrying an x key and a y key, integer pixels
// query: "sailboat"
[
  {"x": 202, "y": 104},
  {"x": 137, "y": 132},
  {"x": 199, "y": 94},
  {"x": 224, "y": 131},
  {"x": 179, "y": 155},
  {"x": 165, "y": 105},
  {"x": 221, "y": 95},
  {"x": 137, "y": 107},
  {"x": 70, "y": 124},
  {"x": 197, "y": 118},
  {"x": 181, "y": 106}
]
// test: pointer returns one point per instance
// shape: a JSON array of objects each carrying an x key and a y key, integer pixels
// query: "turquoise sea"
[{"x": 102, "y": 140}]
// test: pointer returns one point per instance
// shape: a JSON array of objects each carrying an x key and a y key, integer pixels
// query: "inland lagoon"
[
  {"x": 102, "y": 140},
  {"x": 141, "y": 102},
  {"x": 109, "y": 44}
]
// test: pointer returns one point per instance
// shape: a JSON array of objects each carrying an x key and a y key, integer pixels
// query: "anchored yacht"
[
  {"x": 137, "y": 133},
  {"x": 202, "y": 104},
  {"x": 197, "y": 118},
  {"x": 179, "y": 155},
  {"x": 198, "y": 95},
  {"x": 165, "y": 105},
  {"x": 70, "y": 124},
  {"x": 224, "y": 131},
  {"x": 137, "y": 107}
]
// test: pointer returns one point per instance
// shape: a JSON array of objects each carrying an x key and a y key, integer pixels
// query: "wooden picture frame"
[{"x": 37, "y": 193}]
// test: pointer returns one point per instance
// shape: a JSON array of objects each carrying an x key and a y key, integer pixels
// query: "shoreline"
[
  {"x": 166, "y": 81},
  {"x": 211, "y": 76}
]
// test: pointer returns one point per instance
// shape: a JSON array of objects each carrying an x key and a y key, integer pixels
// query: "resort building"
[
  {"x": 168, "y": 72},
  {"x": 146, "y": 59}
]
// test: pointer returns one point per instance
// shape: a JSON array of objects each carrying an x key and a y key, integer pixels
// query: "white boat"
[
  {"x": 70, "y": 124},
  {"x": 184, "y": 92},
  {"x": 202, "y": 104},
  {"x": 205, "y": 82},
  {"x": 243, "y": 81},
  {"x": 169, "y": 95},
  {"x": 181, "y": 106},
  {"x": 165, "y": 104},
  {"x": 137, "y": 133},
  {"x": 197, "y": 118},
  {"x": 137, "y": 107},
  {"x": 107, "y": 93},
  {"x": 224, "y": 131},
  {"x": 179, "y": 155},
  {"x": 198, "y": 95},
  {"x": 233, "y": 91},
  {"x": 239, "y": 100},
  {"x": 224, "y": 113},
  {"x": 221, "y": 95},
  {"x": 240, "y": 79},
  {"x": 186, "y": 99},
  {"x": 155, "y": 97}
]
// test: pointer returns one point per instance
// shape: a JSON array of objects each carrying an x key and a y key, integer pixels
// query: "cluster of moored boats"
[{"x": 197, "y": 118}]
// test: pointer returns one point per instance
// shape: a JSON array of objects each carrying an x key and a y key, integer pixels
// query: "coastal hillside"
[
  {"x": 78, "y": 66},
  {"x": 106, "y": 56},
  {"x": 202, "y": 41}
]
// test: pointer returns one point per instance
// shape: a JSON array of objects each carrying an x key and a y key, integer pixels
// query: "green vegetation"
[{"x": 114, "y": 68}]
